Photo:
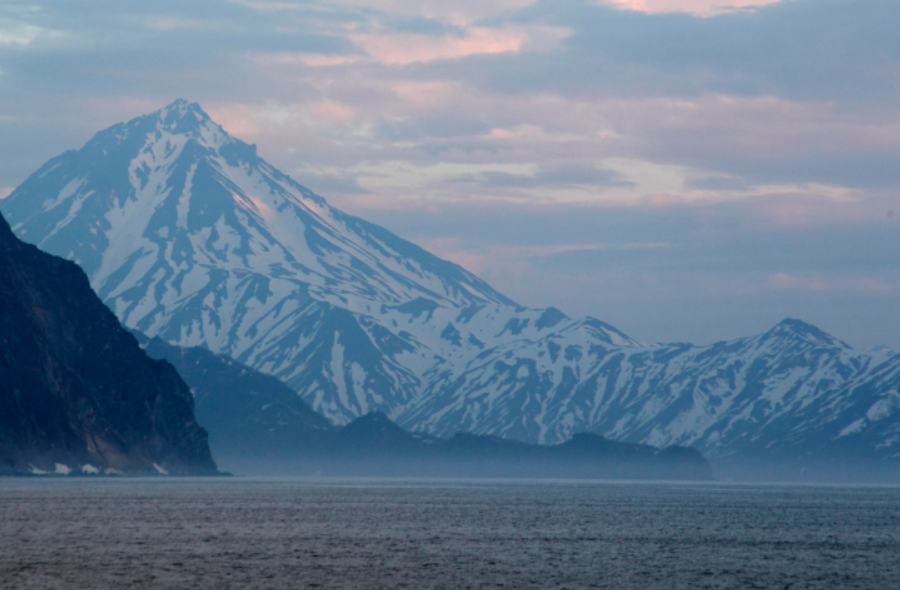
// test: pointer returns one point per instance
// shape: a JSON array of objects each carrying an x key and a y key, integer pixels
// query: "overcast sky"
[{"x": 687, "y": 170}]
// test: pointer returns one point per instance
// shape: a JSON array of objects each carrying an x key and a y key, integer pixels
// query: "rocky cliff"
[{"x": 77, "y": 393}]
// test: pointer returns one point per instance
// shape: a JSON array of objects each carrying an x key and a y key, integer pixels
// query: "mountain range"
[
  {"x": 189, "y": 236},
  {"x": 259, "y": 426}
]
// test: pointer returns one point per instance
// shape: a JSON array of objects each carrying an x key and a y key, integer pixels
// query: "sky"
[{"x": 686, "y": 170}]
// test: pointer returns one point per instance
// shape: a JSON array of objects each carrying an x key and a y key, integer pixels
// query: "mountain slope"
[{"x": 76, "y": 391}]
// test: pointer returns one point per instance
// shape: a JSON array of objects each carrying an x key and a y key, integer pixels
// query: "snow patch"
[
  {"x": 884, "y": 407},
  {"x": 853, "y": 428}
]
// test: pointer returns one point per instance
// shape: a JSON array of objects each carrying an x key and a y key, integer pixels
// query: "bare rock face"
[{"x": 77, "y": 393}]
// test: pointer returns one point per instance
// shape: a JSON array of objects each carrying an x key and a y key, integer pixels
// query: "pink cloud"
[
  {"x": 423, "y": 94},
  {"x": 236, "y": 119},
  {"x": 271, "y": 122},
  {"x": 332, "y": 135},
  {"x": 402, "y": 49},
  {"x": 698, "y": 7},
  {"x": 308, "y": 59},
  {"x": 406, "y": 49},
  {"x": 458, "y": 12},
  {"x": 331, "y": 111},
  {"x": 663, "y": 200}
]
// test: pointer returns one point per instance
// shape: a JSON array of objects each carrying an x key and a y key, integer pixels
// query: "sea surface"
[{"x": 287, "y": 534}]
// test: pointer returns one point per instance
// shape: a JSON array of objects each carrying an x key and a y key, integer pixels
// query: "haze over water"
[{"x": 234, "y": 533}]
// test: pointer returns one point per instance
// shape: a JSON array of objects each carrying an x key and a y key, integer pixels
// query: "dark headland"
[{"x": 77, "y": 393}]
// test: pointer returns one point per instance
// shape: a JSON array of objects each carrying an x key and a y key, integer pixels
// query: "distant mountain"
[
  {"x": 189, "y": 236},
  {"x": 794, "y": 396},
  {"x": 373, "y": 445},
  {"x": 257, "y": 426},
  {"x": 77, "y": 393}
]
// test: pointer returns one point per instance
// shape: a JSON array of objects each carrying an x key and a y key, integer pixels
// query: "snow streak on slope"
[{"x": 188, "y": 235}]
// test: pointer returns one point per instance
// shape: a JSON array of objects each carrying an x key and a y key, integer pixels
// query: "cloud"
[
  {"x": 18, "y": 33},
  {"x": 702, "y": 273},
  {"x": 330, "y": 182},
  {"x": 535, "y": 142},
  {"x": 697, "y": 7},
  {"x": 782, "y": 280},
  {"x": 459, "y": 12},
  {"x": 850, "y": 55},
  {"x": 308, "y": 59},
  {"x": 705, "y": 278},
  {"x": 401, "y": 49},
  {"x": 565, "y": 176}
]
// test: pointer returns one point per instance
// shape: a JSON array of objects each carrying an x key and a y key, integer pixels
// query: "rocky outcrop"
[{"x": 77, "y": 393}]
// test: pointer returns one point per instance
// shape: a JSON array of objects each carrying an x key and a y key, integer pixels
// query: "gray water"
[{"x": 231, "y": 533}]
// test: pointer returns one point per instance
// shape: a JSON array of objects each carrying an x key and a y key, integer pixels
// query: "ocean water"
[{"x": 289, "y": 534}]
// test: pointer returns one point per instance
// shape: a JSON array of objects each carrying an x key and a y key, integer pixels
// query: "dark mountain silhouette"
[
  {"x": 247, "y": 413},
  {"x": 373, "y": 445},
  {"x": 77, "y": 393}
]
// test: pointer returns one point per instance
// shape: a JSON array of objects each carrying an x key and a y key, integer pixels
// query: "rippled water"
[{"x": 231, "y": 533}]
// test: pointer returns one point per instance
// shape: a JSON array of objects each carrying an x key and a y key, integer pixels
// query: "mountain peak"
[
  {"x": 374, "y": 429},
  {"x": 188, "y": 119},
  {"x": 172, "y": 204},
  {"x": 184, "y": 106},
  {"x": 798, "y": 329}
]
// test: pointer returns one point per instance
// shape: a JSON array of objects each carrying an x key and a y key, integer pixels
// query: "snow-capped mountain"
[
  {"x": 779, "y": 392},
  {"x": 189, "y": 236}
]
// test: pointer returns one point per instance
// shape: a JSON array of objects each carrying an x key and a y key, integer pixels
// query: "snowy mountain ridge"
[{"x": 189, "y": 236}]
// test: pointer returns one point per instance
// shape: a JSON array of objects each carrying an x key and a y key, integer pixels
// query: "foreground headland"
[{"x": 77, "y": 393}]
